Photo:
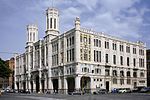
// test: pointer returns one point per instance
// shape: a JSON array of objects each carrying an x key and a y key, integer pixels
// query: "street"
[{"x": 132, "y": 96}]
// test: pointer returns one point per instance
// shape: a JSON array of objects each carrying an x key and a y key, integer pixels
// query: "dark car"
[
  {"x": 76, "y": 93},
  {"x": 24, "y": 91},
  {"x": 115, "y": 90},
  {"x": 145, "y": 90},
  {"x": 137, "y": 89},
  {"x": 102, "y": 91}
]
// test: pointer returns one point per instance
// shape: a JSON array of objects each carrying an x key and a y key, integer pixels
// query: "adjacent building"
[
  {"x": 8, "y": 82},
  {"x": 78, "y": 60}
]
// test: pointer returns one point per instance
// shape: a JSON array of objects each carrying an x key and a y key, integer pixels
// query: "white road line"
[{"x": 39, "y": 98}]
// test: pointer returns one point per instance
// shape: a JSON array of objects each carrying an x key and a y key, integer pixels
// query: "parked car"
[
  {"x": 114, "y": 90},
  {"x": 2, "y": 91},
  {"x": 145, "y": 90},
  {"x": 24, "y": 91},
  {"x": 137, "y": 89},
  {"x": 128, "y": 90},
  {"x": 76, "y": 93},
  {"x": 122, "y": 90},
  {"x": 100, "y": 91}
]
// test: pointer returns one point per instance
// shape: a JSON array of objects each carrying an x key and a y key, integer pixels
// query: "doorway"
[
  {"x": 107, "y": 85},
  {"x": 55, "y": 85},
  {"x": 37, "y": 84}
]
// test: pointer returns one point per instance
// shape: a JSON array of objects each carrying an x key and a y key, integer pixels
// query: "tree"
[{"x": 4, "y": 69}]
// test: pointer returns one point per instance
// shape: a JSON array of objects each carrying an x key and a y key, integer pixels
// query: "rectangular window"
[
  {"x": 134, "y": 50},
  {"x": 114, "y": 46},
  {"x": 121, "y": 60},
  {"x": 121, "y": 81},
  {"x": 72, "y": 54},
  {"x": 121, "y": 48},
  {"x": 73, "y": 40},
  {"x": 106, "y": 58},
  {"x": 106, "y": 45},
  {"x": 89, "y": 40},
  {"x": 99, "y": 56},
  {"x": 94, "y": 55},
  {"x": 99, "y": 43},
  {"x": 55, "y": 23},
  {"x": 128, "y": 81},
  {"x": 107, "y": 72},
  {"x": 134, "y": 62},
  {"x": 96, "y": 42},
  {"x": 127, "y": 49},
  {"x": 80, "y": 38},
  {"x": 70, "y": 41},
  {"x": 128, "y": 61},
  {"x": 67, "y": 56},
  {"x": 47, "y": 23},
  {"x": 67, "y": 42},
  {"x": 51, "y": 23},
  {"x": 114, "y": 59}
]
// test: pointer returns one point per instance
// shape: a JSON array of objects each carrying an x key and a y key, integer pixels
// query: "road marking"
[{"x": 40, "y": 98}]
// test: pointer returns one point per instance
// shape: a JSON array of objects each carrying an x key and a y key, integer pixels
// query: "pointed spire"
[{"x": 77, "y": 23}]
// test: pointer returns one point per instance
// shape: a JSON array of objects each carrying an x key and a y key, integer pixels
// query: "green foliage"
[{"x": 4, "y": 69}]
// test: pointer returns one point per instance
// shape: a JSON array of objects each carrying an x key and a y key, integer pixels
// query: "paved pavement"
[{"x": 132, "y": 96}]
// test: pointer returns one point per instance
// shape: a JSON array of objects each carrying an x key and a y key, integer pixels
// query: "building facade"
[
  {"x": 148, "y": 66},
  {"x": 78, "y": 60}
]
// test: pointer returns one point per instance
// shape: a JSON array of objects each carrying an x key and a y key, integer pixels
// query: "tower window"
[
  {"x": 51, "y": 23},
  {"x": 47, "y": 23},
  {"x": 55, "y": 23}
]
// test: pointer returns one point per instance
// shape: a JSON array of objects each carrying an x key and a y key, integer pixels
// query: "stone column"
[
  {"x": 50, "y": 85},
  {"x": 77, "y": 83},
  {"x": 45, "y": 84},
  {"x": 92, "y": 85},
  {"x": 59, "y": 85},
  {"x": 65, "y": 86},
  {"x": 34, "y": 86},
  {"x": 40, "y": 84}
]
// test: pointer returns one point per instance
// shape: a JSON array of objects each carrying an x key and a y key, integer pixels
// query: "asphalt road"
[{"x": 132, "y": 96}]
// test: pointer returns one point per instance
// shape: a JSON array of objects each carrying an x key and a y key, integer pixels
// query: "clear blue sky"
[{"x": 127, "y": 19}]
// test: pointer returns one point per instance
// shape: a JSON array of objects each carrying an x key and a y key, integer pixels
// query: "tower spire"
[{"x": 52, "y": 21}]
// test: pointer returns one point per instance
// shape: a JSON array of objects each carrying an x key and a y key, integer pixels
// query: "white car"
[{"x": 122, "y": 90}]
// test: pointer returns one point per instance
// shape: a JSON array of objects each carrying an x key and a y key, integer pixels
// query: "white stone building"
[{"x": 78, "y": 60}]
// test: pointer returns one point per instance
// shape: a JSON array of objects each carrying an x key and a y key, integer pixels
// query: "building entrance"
[
  {"x": 85, "y": 84},
  {"x": 55, "y": 85},
  {"x": 71, "y": 84},
  {"x": 107, "y": 85},
  {"x": 37, "y": 84}
]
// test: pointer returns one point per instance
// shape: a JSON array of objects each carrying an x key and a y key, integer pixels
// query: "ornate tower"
[
  {"x": 52, "y": 21},
  {"x": 32, "y": 34}
]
